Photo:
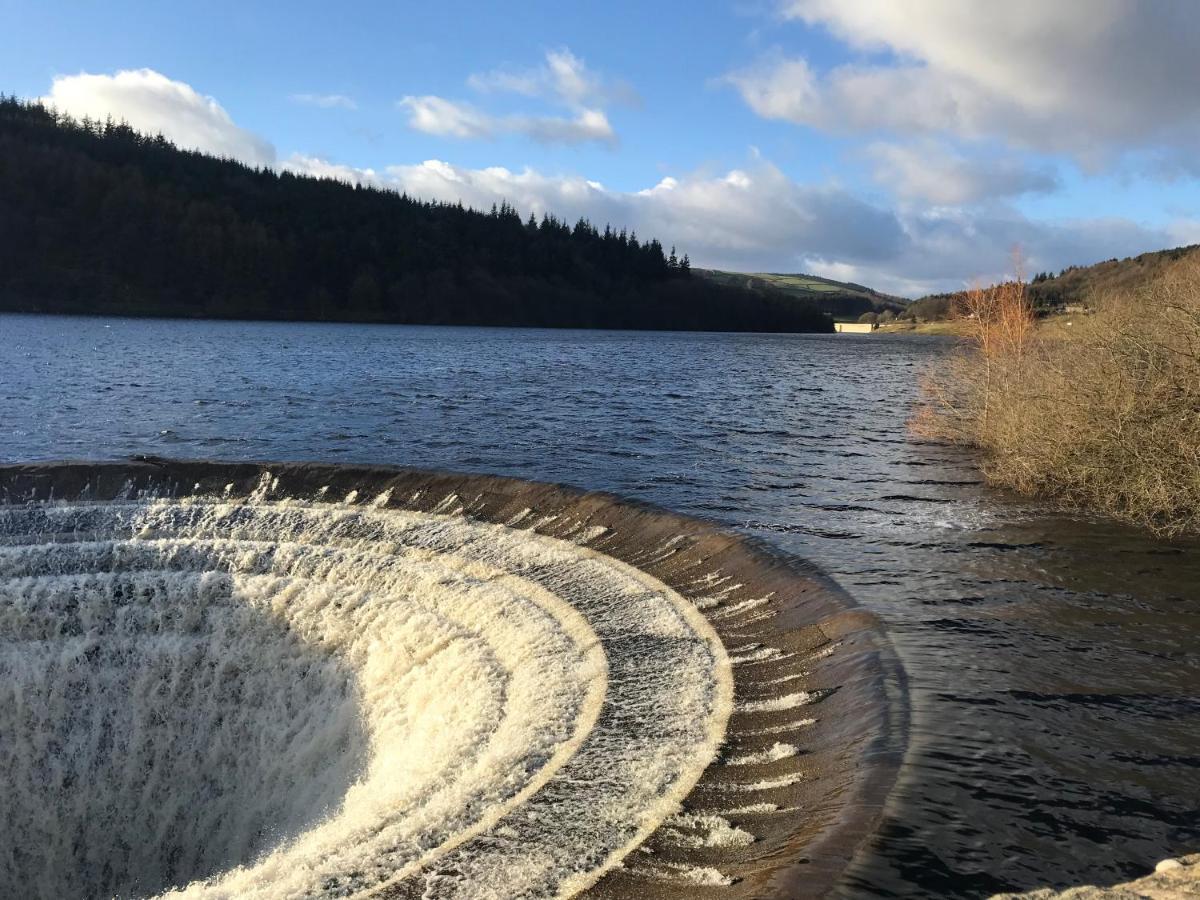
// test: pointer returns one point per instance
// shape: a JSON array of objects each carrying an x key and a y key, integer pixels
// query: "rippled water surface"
[{"x": 1054, "y": 662}]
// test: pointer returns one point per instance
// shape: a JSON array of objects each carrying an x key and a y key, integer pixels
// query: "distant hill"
[
  {"x": 1073, "y": 286},
  {"x": 98, "y": 218},
  {"x": 843, "y": 300}
]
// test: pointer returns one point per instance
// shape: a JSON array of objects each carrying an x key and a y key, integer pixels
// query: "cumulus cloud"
[
  {"x": 445, "y": 118},
  {"x": 325, "y": 101},
  {"x": 1090, "y": 78},
  {"x": 153, "y": 103},
  {"x": 756, "y": 219},
  {"x": 563, "y": 80},
  {"x": 934, "y": 172}
]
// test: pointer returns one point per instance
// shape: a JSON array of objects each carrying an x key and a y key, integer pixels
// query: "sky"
[{"x": 909, "y": 145}]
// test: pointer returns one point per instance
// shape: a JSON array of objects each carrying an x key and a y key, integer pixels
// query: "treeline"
[{"x": 96, "y": 217}]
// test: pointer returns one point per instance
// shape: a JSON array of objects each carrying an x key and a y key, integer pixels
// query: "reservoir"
[{"x": 1053, "y": 660}]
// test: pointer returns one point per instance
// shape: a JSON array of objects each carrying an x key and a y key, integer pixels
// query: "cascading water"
[
  {"x": 224, "y": 693},
  {"x": 142, "y": 740}
]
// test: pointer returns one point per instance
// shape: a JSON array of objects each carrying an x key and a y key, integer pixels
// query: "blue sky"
[{"x": 908, "y": 144}]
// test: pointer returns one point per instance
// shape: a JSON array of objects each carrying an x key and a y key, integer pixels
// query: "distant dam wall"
[{"x": 262, "y": 679}]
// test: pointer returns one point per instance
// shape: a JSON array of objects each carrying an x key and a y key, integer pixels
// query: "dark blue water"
[{"x": 1054, "y": 661}]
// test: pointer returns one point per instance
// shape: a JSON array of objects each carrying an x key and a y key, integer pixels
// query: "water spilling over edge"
[{"x": 803, "y": 758}]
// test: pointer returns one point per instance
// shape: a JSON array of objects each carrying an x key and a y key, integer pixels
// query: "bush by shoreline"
[{"x": 1106, "y": 419}]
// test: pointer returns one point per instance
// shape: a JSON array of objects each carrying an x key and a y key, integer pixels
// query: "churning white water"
[{"x": 255, "y": 699}]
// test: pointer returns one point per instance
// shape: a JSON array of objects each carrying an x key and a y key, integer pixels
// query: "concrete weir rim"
[{"x": 791, "y": 631}]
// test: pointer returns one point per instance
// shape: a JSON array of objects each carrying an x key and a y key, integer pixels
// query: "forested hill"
[
  {"x": 1073, "y": 286},
  {"x": 97, "y": 218},
  {"x": 1086, "y": 284}
]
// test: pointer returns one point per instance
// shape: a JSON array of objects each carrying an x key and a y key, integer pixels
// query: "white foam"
[
  {"x": 772, "y": 754},
  {"x": 705, "y": 830},
  {"x": 777, "y": 729},
  {"x": 517, "y": 519},
  {"x": 768, "y": 784},
  {"x": 786, "y": 678},
  {"x": 750, "y": 653},
  {"x": 761, "y": 655},
  {"x": 752, "y": 809},
  {"x": 777, "y": 704},
  {"x": 352, "y": 697},
  {"x": 737, "y": 609},
  {"x": 702, "y": 876},
  {"x": 590, "y": 534}
]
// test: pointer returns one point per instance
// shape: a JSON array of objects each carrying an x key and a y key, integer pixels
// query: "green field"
[{"x": 843, "y": 300}]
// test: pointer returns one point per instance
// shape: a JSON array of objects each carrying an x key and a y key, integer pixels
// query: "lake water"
[{"x": 1054, "y": 661}]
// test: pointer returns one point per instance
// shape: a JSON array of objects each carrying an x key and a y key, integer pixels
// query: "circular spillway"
[{"x": 304, "y": 681}]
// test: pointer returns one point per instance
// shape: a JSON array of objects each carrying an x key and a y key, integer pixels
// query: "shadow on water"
[{"x": 1054, "y": 662}]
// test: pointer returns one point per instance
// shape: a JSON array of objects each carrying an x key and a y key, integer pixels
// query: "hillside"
[
  {"x": 1073, "y": 286},
  {"x": 1079, "y": 284},
  {"x": 96, "y": 218},
  {"x": 845, "y": 301}
]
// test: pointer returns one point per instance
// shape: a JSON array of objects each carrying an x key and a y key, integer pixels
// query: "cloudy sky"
[{"x": 906, "y": 144}]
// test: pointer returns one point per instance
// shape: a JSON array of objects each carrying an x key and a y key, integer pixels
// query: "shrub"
[{"x": 1107, "y": 418}]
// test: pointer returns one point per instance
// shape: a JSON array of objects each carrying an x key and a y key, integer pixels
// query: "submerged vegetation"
[
  {"x": 98, "y": 218},
  {"x": 1104, "y": 415}
]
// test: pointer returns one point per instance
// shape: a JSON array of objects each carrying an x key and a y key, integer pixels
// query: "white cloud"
[
  {"x": 1091, "y": 78},
  {"x": 563, "y": 80},
  {"x": 153, "y": 103},
  {"x": 779, "y": 88},
  {"x": 529, "y": 83},
  {"x": 932, "y": 171},
  {"x": 325, "y": 101},
  {"x": 586, "y": 125},
  {"x": 563, "y": 77},
  {"x": 316, "y": 167},
  {"x": 447, "y": 118},
  {"x": 756, "y": 218}
]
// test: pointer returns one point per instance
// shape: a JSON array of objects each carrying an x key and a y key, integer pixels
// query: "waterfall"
[{"x": 216, "y": 697}]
